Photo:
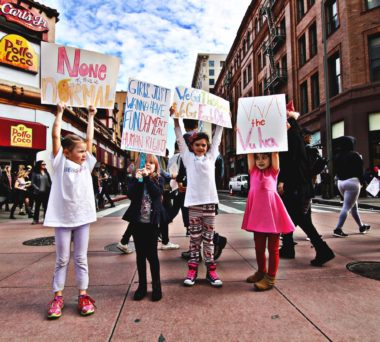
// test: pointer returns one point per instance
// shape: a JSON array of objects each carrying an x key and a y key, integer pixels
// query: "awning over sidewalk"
[{"x": 22, "y": 134}]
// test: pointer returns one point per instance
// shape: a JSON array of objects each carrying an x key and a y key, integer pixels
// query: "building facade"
[
  {"x": 279, "y": 50},
  {"x": 25, "y": 123}
]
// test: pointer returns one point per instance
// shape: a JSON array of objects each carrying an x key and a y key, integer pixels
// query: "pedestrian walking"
[
  {"x": 201, "y": 198},
  {"x": 265, "y": 215},
  {"x": 144, "y": 216},
  {"x": 41, "y": 183},
  {"x": 348, "y": 166},
  {"x": 6, "y": 186},
  {"x": 20, "y": 193},
  {"x": 105, "y": 182},
  {"x": 71, "y": 209}
]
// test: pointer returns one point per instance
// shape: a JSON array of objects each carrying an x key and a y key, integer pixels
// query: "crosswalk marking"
[
  {"x": 229, "y": 210},
  {"x": 112, "y": 210}
]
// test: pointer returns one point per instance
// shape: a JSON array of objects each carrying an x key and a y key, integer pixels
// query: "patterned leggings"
[{"x": 202, "y": 227}]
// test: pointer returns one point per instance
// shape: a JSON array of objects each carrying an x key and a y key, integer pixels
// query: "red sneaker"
[
  {"x": 55, "y": 307},
  {"x": 86, "y": 305}
]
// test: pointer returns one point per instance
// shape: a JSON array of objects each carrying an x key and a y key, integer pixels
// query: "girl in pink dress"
[{"x": 266, "y": 216}]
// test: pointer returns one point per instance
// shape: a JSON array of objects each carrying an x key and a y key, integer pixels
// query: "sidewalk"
[{"x": 307, "y": 304}]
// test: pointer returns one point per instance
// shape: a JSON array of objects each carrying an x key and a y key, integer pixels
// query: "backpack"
[{"x": 317, "y": 163}]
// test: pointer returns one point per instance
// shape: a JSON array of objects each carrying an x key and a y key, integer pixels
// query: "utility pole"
[{"x": 327, "y": 97}]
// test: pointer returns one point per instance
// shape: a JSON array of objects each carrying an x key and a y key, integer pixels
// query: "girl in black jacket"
[{"x": 144, "y": 214}]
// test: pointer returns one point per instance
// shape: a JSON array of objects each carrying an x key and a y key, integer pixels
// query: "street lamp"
[{"x": 327, "y": 97}]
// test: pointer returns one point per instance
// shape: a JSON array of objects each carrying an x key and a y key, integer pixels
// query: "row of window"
[{"x": 313, "y": 44}]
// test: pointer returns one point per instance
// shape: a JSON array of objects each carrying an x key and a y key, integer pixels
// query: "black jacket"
[
  {"x": 36, "y": 182},
  {"x": 135, "y": 193},
  {"x": 5, "y": 189}
]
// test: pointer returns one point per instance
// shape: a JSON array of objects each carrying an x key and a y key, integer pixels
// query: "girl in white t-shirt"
[
  {"x": 71, "y": 209},
  {"x": 201, "y": 198}
]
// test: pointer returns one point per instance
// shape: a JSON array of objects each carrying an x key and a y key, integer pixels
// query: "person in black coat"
[
  {"x": 296, "y": 188},
  {"x": 41, "y": 183},
  {"x": 348, "y": 166},
  {"x": 6, "y": 186},
  {"x": 144, "y": 215}
]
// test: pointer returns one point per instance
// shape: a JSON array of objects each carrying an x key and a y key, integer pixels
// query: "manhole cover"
[
  {"x": 44, "y": 241},
  {"x": 112, "y": 248},
  {"x": 368, "y": 269}
]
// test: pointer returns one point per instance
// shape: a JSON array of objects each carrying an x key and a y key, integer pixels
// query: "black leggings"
[{"x": 145, "y": 237}]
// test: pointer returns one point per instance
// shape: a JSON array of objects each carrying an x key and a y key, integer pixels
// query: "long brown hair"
[{"x": 150, "y": 158}]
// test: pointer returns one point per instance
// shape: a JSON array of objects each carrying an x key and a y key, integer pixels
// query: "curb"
[{"x": 339, "y": 204}]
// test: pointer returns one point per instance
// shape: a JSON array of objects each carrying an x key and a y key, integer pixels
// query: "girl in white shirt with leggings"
[
  {"x": 201, "y": 198},
  {"x": 71, "y": 209}
]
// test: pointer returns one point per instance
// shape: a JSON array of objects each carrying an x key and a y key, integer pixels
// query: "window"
[
  {"x": 302, "y": 50},
  {"x": 335, "y": 77},
  {"x": 211, "y": 72},
  {"x": 260, "y": 88},
  {"x": 248, "y": 39},
  {"x": 303, "y": 91},
  {"x": 372, "y": 4},
  {"x": 332, "y": 19},
  {"x": 264, "y": 61},
  {"x": 374, "y": 57},
  {"x": 283, "y": 27},
  {"x": 300, "y": 9},
  {"x": 314, "y": 91},
  {"x": 337, "y": 129},
  {"x": 211, "y": 81},
  {"x": 284, "y": 62},
  {"x": 259, "y": 61},
  {"x": 313, "y": 40},
  {"x": 249, "y": 71},
  {"x": 211, "y": 64},
  {"x": 257, "y": 26}
]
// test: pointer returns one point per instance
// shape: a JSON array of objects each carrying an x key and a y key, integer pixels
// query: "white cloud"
[{"x": 156, "y": 41}]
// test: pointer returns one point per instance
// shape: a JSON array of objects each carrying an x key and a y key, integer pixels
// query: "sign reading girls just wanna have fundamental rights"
[
  {"x": 190, "y": 103},
  {"x": 77, "y": 77},
  {"x": 146, "y": 118},
  {"x": 261, "y": 124}
]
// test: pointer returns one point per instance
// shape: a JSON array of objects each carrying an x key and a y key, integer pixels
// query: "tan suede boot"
[
  {"x": 254, "y": 278},
  {"x": 265, "y": 284}
]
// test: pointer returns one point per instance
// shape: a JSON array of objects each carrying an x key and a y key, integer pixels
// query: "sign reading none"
[{"x": 77, "y": 77}]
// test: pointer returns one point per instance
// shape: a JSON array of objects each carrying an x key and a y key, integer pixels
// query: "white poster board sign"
[
  {"x": 77, "y": 77},
  {"x": 146, "y": 118},
  {"x": 373, "y": 187},
  {"x": 261, "y": 124},
  {"x": 197, "y": 104}
]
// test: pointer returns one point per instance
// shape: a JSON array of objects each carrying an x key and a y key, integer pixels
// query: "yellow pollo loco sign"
[
  {"x": 17, "y": 52},
  {"x": 21, "y": 136}
]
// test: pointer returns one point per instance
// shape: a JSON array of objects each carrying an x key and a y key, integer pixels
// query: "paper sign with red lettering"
[
  {"x": 77, "y": 77},
  {"x": 21, "y": 136},
  {"x": 17, "y": 52},
  {"x": 146, "y": 117},
  {"x": 190, "y": 103},
  {"x": 261, "y": 124}
]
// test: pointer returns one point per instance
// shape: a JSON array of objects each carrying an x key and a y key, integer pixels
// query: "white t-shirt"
[
  {"x": 71, "y": 200},
  {"x": 200, "y": 171}
]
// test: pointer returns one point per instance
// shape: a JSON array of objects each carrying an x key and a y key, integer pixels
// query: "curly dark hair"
[{"x": 198, "y": 136}]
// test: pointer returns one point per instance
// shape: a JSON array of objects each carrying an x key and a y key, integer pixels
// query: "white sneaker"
[
  {"x": 169, "y": 245},
  {"x": 124, "y": 248}
]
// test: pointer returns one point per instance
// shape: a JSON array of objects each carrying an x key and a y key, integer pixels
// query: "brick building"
[{"x": 279, "y": 49}]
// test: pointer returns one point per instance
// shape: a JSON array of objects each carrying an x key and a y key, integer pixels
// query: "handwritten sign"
[
  {"x": 373, "y": 187},
  {"x": 261, "y": 124},
  {"x": 77, "y": 77},
  {"x": 146, "y": 117},
  {"x": 190, "y": 103}
]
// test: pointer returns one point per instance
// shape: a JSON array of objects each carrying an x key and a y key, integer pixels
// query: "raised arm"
[
  {"x": 275, "y": 161},
  {"x": 180, "y": 140},
  {"x": 90, "y": 127},
  {"x": 216, "y": 139},
  {"x": 251, "y": 162},
  {"x": 56, "y": 131}
]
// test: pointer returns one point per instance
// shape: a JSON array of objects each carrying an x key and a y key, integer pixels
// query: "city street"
[{"x": 307, "y": 304}]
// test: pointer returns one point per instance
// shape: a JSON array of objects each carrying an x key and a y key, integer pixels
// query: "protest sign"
[
  {"x": 196, "y": 104},
  {"x": 261, "y": 124},
  {"x": 373, "y": 187},
  {"x": 77, "y": 77},
  {"x": 146, "y": 118}
]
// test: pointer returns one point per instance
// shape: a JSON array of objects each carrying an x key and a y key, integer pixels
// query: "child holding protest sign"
[
  {"x": 145, "y": 214},
  {"x": 71, "y": 209},
  {"x": 266, "y": 216},
  {"x": 201, "y": 198}
]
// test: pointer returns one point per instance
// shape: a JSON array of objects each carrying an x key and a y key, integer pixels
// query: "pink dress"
[{"x": 265, "y": 212}]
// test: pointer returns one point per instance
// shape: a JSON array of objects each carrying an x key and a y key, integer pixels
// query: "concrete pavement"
[{"x": 308, "y": 304}]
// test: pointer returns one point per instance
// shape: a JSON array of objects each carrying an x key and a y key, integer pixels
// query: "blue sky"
[{"x": 157, "y": 41}]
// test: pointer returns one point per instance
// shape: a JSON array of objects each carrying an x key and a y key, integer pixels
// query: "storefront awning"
[{"x": 22, "y": 134}]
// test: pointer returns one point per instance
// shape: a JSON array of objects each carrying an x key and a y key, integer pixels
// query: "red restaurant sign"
[
  {"x": 29, "y": 18},
  {"x": 24, "y": 134}
]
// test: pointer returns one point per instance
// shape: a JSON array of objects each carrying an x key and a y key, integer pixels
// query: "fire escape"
[{"x": 276, "y": 37}]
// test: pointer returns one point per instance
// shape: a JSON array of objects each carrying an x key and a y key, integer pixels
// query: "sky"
[{"x": 156, "y": 41}]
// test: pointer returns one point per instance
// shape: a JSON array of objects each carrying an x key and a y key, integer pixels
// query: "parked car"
[{"x": 239, "y": 183}]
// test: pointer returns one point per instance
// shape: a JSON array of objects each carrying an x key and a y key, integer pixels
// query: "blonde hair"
[{"x": 70, "y": 141}]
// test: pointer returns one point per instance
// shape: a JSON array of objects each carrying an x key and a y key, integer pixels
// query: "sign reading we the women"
[
  {"x": 146, "y": 118},
  {"x": 261, "y": 124},
  {"x": 190, "y": 103},
  {"x": 77, "y": 77}
]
